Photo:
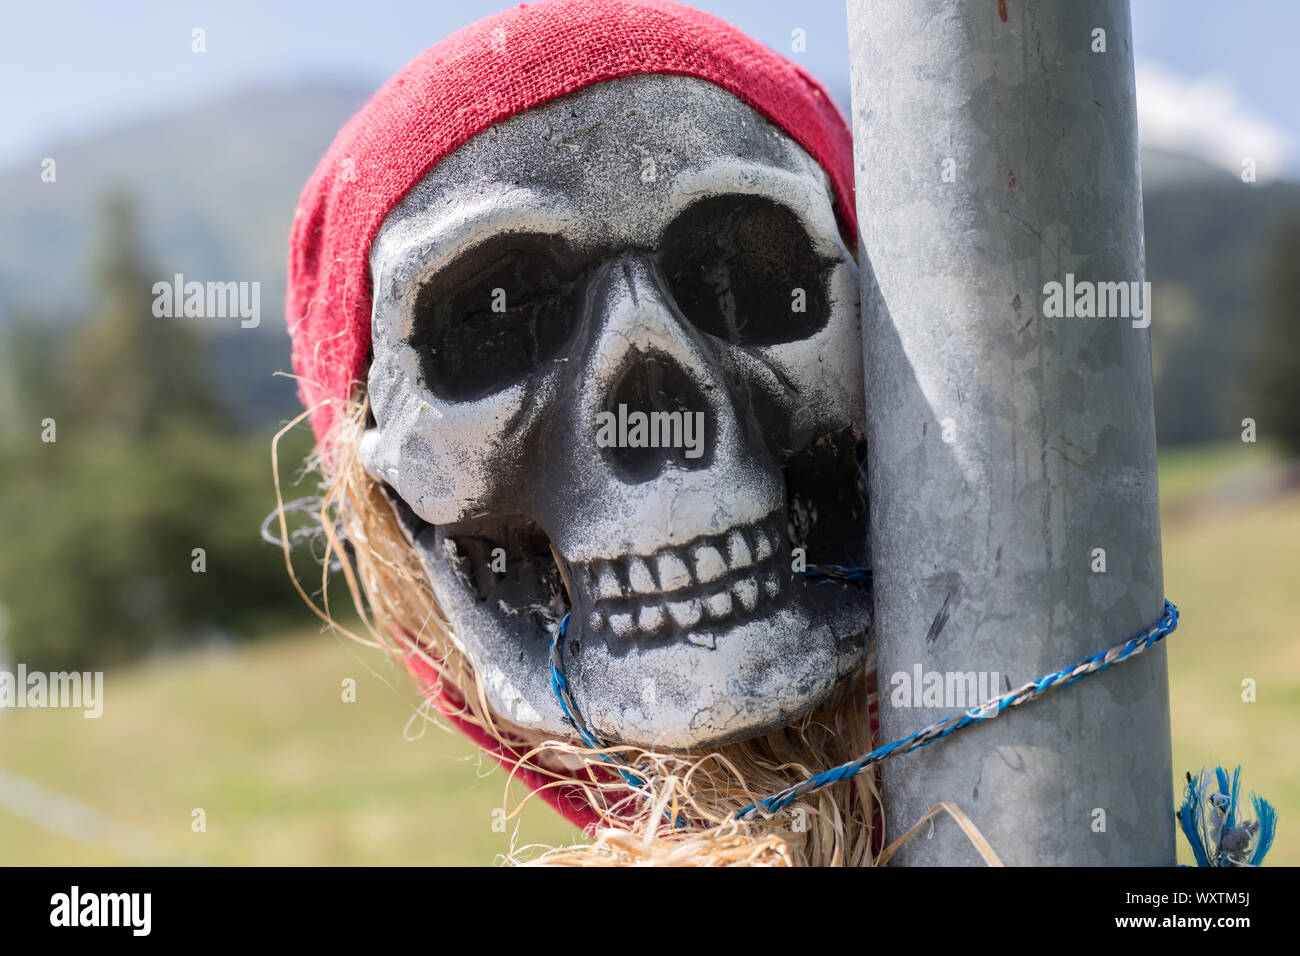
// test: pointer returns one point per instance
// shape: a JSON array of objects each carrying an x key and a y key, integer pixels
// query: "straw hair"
[{"x": 399, "y": 615}]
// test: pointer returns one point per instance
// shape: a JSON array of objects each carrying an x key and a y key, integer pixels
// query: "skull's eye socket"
[
  {"x": 743, "y": 268},
  {"x": 495, "y": 316}
]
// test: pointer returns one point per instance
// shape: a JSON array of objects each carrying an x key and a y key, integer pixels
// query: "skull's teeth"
[
  {"x": 673, "y": 573},
  {"x": 746, "y": 592},
  {"x": 621, "y": 624},
  {"x": 772, "y": 584},
  {"x": 685, "y": 613},
  {"x": 738, "y": 550},
  {"x": 608, "y": 587},
  {"x": 718, "y": 605},
  {"x": 639, "y": 577},
  {"x": 709, "y": 565},
  {"x": 651, "y": 618},
  {"x": 703, "y": 583}
]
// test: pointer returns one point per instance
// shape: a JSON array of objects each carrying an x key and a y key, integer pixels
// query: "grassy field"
[
  {"x": 1236, "y": 578},
  {"x": 285, "y": 771},
  {"x": 1190, "y": 473}
]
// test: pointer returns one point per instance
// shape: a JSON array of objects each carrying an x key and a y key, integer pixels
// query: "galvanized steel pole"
[{"x": 1011, "y": 431}]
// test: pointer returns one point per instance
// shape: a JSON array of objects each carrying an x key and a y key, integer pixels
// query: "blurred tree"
[
  {"x": 137, "y": 528},
  {"x": 31, "y": 376},
  {"x": 1278, "y": 381},
  {"x": 1205, "y": 244},
  {"x": 131, "y": 371}
]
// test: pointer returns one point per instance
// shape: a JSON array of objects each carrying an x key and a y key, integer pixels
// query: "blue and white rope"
[
  {"x": 927, "y": 735},
  {"x": 986, "y": 711},
  {"x": 560, "y": 687},
  {"x": 838, "y": 572}
]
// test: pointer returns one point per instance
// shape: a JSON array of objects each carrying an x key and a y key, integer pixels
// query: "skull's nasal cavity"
[{"x": 654, "y": 416}]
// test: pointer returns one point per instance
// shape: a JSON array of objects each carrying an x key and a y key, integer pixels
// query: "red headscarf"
[
  {"x": 491, "y": 70},
  {"x": 479, "y": 76}
]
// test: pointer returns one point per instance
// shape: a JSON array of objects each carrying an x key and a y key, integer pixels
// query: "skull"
[{"x": 650, "y": 243}]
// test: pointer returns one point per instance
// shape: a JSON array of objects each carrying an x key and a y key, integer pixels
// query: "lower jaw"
[{"x": 737, "y": 680}]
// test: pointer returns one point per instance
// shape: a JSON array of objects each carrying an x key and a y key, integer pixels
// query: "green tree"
[
  {"x": 1278, "y": 381},
  {"x": 101, "y": 530},
  {"x": 131, "y": 372}
]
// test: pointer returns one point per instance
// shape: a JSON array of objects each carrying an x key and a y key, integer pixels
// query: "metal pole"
[{"x": 1012, "y": 460}]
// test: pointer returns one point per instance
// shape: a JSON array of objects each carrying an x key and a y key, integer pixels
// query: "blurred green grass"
[
  {"x": 260, "y": 738},
  {"x": 1236, "y": 577},
  {"x": 1192, "y": 471},
  {"x": 287, "y": 773}
]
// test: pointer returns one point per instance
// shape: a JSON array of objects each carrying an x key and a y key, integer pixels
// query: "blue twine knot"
[{"x": 1210, "y": 821}]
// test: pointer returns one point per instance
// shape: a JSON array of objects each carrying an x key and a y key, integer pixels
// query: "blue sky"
[{"x": 1218, "y": 79}]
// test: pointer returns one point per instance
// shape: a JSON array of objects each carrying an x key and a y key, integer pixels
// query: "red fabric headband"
[{"x": 492, "y": 69}]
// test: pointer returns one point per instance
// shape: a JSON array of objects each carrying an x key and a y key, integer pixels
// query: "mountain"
[
  {"x": 215, "y": 187},
  {"x": 1163, "y": 169}
]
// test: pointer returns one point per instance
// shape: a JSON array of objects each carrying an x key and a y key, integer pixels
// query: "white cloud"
[{"x": 1205, "y": 117}]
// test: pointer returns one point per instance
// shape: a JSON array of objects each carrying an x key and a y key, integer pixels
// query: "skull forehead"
[{"x": 607, "y": 166}]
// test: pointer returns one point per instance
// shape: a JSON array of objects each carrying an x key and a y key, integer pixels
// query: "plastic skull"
[{"x": 649, "y": 249}]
